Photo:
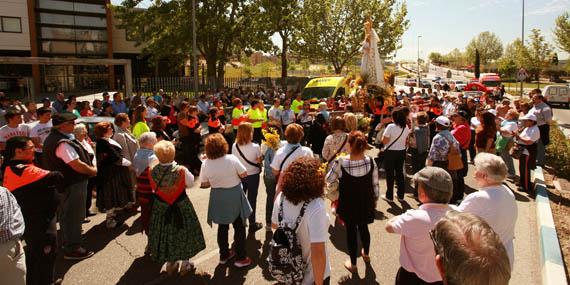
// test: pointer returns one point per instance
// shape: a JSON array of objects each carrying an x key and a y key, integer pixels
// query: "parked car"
[
  {"x": 425, "y": 84},
  {"x": 557, "y": 94},
  {"x": 436, "y": 79}
]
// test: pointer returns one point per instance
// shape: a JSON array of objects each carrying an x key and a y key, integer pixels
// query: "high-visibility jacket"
[
  {"x": 237, "y": 117},
  {"x": 255, "y": 114}
]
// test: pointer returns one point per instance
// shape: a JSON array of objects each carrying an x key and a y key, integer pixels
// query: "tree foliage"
[
  {"x": 333, "y": 30},
  {"x": 164, "y": 29},
  {"x": 436, "y": 58},
  {"x": 562, "y": 32},
  {"x": 539, "y": 53},
  {"x": 489, "y": 46}
]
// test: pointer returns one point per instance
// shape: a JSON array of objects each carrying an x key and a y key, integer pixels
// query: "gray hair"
[
  {"x": 493, "y": 166},
  {"x": 471, "y": 252},
  {"x": 79, "y": 128},
  {"x": 147, "y": 138}
]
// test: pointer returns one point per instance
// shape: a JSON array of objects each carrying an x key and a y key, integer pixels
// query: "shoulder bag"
[{"x": 247, "y": 160}]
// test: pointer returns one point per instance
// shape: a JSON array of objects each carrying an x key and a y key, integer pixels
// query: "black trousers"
[
  {"x": 257, "y": 135},
  {"x": 459, "y": 179},
  {"x": 405, "y": 277},
  {"x": 239, "y": 239},
  {"x": 472, "y": 150},
  {"x": 418, "y": 160},
  {"x": 352, "y": 242},
  {"x": 524, "y": 174},
  {"x": 394, "y": 166},
  {"x": 39, "y": 264}
]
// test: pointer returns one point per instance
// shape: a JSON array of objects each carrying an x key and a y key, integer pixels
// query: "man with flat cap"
[
  {"x": 62, "y": 152},
  {"x": 417, "y": 254}
]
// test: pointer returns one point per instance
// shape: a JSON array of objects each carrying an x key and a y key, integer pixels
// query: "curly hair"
[
  {"x": 215, "y": 146},
  {"x": 303, "y": 180}
]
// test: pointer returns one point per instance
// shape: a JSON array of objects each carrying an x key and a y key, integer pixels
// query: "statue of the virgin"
[{"x": 371, "y": 66}]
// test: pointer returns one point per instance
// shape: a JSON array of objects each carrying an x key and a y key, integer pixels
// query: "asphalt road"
[{"x": 119, "y": 253}]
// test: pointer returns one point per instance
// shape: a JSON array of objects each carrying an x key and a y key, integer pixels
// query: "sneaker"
[
  {"x": 254, "y": 227},
  {"x": 243, "y": 262},
  {"x": 78, "y": 254},
  {"x": 226, "y": 259},
  {"x": 386, "y": 198}
]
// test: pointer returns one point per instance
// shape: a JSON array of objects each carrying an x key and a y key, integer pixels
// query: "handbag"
[
  {"x": 516, "y": 151},
  {"x": 381, "y": 153},
  {"x": 454, "y": 161}
]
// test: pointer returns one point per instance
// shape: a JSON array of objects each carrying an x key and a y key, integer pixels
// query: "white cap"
[
  {"x": 492, "y": 111},
  {"x": 530, "y": 117},
  {"x": 443, "y": 120}
]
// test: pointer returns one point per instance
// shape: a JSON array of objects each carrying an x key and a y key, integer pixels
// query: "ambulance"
[{"x": 320, "y": 89}]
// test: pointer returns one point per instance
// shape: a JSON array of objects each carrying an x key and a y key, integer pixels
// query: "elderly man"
[
  {"x": 435, "y": 188},
  {"x": 62, "y": 152},
  {"x": 543, "y": 115},
  {"x": 468, "y": 251},
  {"x": 494, "y": 202}
]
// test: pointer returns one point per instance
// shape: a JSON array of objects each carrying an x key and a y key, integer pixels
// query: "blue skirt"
[{"x": 227, "y": 204}]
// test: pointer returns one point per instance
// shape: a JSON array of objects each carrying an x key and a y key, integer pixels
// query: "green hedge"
[{"x": 558, "y": 152}]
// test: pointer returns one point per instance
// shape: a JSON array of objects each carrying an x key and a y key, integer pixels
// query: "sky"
[{"x": 448, "y": 24}]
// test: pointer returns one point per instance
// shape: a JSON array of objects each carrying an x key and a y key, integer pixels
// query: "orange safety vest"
[
  {"x": 436, "y": 110},
  {"x": 215, "y": 123},
  {"x": 29, "y": 175},
  {"x": 237, "y": 121},
  {"x": 192, "y": 122}
]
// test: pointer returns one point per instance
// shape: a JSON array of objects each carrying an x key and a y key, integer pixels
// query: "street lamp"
[
  {"x": 522, "y": 41},
  {"x": 194, "y": 49},
  {"x": 419, "y": 71}
]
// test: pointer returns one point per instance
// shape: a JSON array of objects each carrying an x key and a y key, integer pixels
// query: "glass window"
[
  {"x": 90, "y": 8},
  {"x": 91, "y": 35},
  {"x": 56, "y": 5},
  {"x": 90, "y": 21},
  {"x": 58, "y": 47},
  {"x": 91, "y": 48},
  {"x": 58, "y": 33},
  {"x": 56, "y": 19},
  {"x": 11, "y": 25}
]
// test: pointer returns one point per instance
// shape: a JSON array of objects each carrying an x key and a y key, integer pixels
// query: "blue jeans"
[
  {"x": 270, "y": 185},
  {"x": 72, "y": 215},
  {"x": 508, "y": 159},
  {"x": 540, "y": 153},
  {"x": 250, "y": 186}
]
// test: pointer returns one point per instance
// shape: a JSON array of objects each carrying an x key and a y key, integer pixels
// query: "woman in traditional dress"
[
  {"x": 114, "y": 186},
  {"x": 175, "y": 233},
  {"x": 357, "y": 176},
  {"x": 228, "y": 204},
  {"x": 371, "y": 65}
]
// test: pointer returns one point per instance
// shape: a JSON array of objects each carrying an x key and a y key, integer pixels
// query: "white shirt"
[
  {"x": 284, "y": 151},
  {"x": 313, "y": 228},
  {"x": 531, "y": 133},
  {"x": 89, "y": 149},
  {"x": 41, "y": 131},
  {"x": 66, "y": 153},
  {"x": 497, "y": 206},
  {"x": 416, "y": 248},
  {"x": 474, "y": 122},
  {"x": 392, "y": 131},
  {"x": 275, "y": 113},
  {"x": 151, "y": 112},
  {"x": 21, "y": 130},
  {"x": 222, "y": 172},
  {"x": 509, "y": 126},
  {"x": 252, "y": 152}
]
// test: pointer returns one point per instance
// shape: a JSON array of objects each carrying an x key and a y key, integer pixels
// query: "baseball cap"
[
  {"x": 61, "y": 118},
  {"x": 530, "y": 117},
  {"x": 461, "y": 113},
  {"x": 443, "y": 120},
  {"x": 436, "y": 178}
]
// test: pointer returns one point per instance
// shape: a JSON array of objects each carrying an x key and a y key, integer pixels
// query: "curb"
[{"x": 551, "y": 263}]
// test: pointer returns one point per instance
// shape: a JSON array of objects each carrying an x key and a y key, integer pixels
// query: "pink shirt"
[{"x": 416, "y": 248}]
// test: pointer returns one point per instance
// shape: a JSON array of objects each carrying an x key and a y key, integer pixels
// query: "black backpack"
[{"x": 285, "y": 255}]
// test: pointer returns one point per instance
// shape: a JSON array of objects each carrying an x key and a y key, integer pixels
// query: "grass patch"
[{"x": 558, "y": 152}]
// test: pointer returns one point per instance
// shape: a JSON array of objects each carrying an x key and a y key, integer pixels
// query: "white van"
[{"x": 557, "y": 94}]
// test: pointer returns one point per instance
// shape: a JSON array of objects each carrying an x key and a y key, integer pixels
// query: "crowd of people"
[{"x": 153, "y": 148}]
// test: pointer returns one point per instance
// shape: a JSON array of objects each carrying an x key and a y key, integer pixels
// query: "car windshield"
[
  {"x": 317, "y": 92},
  {"x": 491, "y": 83}
]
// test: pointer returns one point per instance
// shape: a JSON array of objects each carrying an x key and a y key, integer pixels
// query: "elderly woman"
[
  {"x": 114, "y": 185},
  {"x": 527, "y": 140},
  {"x": 336, "y": 142},
  {"x": 351, "y": 122},
  {"x": 289, "y": 152},
  {"x": 505, "y": 139},
  {"x": 174, "y": 232},
  {"x": 494, "y": 202},
  {"x": 249, "y": 154},
  {"x": 302, "y": 191},
  {"x": 81, "y": 135},
  {"x": 357, "y": 176},
  {"x": 124, "y": 136},
  {"x": 144, "y": 160},
  {"x": 228, "y": 204}
]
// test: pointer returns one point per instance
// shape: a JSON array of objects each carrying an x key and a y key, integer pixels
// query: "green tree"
[
  {"x": 436, "y": 58},
  {"x": 562, "y": 32},
  {"x": 518, "y": 53},
  {"x": 281, "y": 17},
  {"x": 507, "y": 67},
  {"x": 539, "y": 53},
  {"x": 223, "y": 29},
  {"x": 333, "y": 30},
  {"x": 489, "y": 46},
  {"x": 456, "y": 59}
]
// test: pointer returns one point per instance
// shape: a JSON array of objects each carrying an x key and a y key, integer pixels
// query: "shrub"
[{"x": 558, "y": 152}]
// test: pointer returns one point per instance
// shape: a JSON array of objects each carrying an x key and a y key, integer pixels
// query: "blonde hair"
[
  {"x": 244, "y": 133},
  {"x": 164, "y": 151},
  {"x": 351, "y": 122}
]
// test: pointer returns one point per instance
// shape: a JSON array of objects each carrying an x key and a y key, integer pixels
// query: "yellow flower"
[{"x": 272, "y": 138}]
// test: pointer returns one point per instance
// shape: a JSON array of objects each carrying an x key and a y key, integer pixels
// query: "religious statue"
[{"x": 371, "y": 66}]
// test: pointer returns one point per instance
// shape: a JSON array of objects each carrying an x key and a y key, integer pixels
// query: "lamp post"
[
  {"x": 194, "y": 49},
  {"x": 419, "y": 71},
  {"x": 522, "y": 41}
]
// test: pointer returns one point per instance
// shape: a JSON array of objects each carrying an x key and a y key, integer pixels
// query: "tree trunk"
[
  {"x": 221, "y": 73},
  {"x": 337, "y": 68},
  {"x": 284, "y": 62},
  {"x": 211, "y": 66}
]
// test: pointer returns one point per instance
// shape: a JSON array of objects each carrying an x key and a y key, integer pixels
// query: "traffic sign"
[{"x": 522, "y": 74}]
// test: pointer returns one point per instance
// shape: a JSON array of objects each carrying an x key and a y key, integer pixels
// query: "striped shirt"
[{"x": 11, "y": 218}]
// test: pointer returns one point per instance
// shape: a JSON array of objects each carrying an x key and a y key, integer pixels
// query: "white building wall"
[{"x": 15, "y": 41}]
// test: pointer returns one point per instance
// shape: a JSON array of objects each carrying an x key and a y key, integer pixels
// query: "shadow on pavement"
[
  {"x": 369, "y": 277},
  {"x": 338, "y": 236},
  {"x": 263, "y": 258},
  {"x": 518, "y": 196}
]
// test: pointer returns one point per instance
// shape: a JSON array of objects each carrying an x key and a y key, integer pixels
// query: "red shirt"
[{"x": 462, "y": 134}]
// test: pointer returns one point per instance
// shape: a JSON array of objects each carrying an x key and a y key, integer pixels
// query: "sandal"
[{"x": 351, "y": 268}]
